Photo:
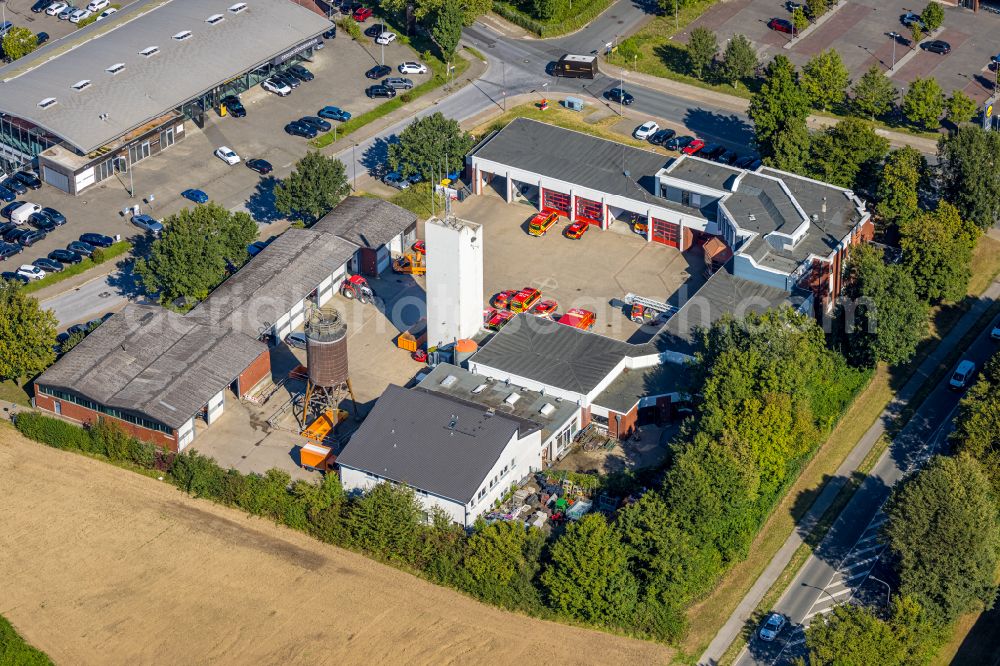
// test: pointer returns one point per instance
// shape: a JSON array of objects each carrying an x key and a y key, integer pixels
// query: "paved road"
[
  {"x": 844, "y": 560},
  {"x": 92, "y": 299}
]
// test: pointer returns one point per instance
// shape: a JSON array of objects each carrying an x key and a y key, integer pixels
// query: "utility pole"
[{"x": 383, "y": 55}]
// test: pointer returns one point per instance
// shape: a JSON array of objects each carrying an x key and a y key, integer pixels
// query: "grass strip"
[
  {"x": 109, "y": 253},
  {"x": 15, "y": 650}
]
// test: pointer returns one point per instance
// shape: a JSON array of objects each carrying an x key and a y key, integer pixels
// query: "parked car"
[
  {"x": 386, "y": 38},
  {"x": 41, "y": 38},
  {"x": 659, "y": 137},
  {"x": 106, "y": 13},
  {"x": 937, "y": 46},
  {"x": 317, "y": 124},
  {"x": 772, "y": 626},
  {"x": 576, "y": 230},
  {"x": 13, "y": 235},
  {"x": 14, "y": 185},
  {"x": 31, "y": 237},
  {"x": 80, "y": 247},
  {"x": 375, "y": 30},
  {"x": 255, "y": 248},
  {"x": 378, "y": 72},
  {"x": 620, "y": 95},
  {"x": 227, "y": 155},
  {"x": 8, "y": 250},
  {"x": 147, "y": 223},
  {"x": 41, "y": 222},
  {"x": 693, "y": 147},
  {"x": 745, "y": 162},
  {"x": 97, "y": 240},
  {"x": 792, "y": 6},
  {"x": 41, "y": 6},
  {"x": 195, "y": 195},
  {"x": 6, "y": 194},
  {"x": 54, "y": 216},
  {"x": 728, "y": 157},
  {"x": 276, "y": 86},
  {"x": 65, "y": 256},
  {"x": 28, "y": 179},
  {"x": 48, "y": 265},
  {"x": 995, "y": 333},
  {"x": 287, "y": 79},
  {"x": 296, "y": 339},
  {"x": 263, "y": 167},
  {"x": 781, "y": 25},
  {"x": 296, "y": 128},
  {"x": 98, "y": 5},
  {"x": 5, "y": 28},
  {"x": 9, "y": 209},
  {"x": 398, "y": 83},
  {"x": 646, "y": 130},
  {"x": 379, "y": 91},
  {"x": 301, "y": 73},
  {"x": 234, "y": 106},
  {"x": 909, "y": 18},
  {"x": 410, "y": 67},
  {"x": 56, "y": 8},
  {"x": 361, "y": 14},
  {"x": 963, "y": 373},
  {"x": 395, "y": 179},
  {"x": 65, "y": 13},
  {"x": 31, "y": 272},
  {"x": 334, "y": 113},
  {"x": 331, "y": 33},
  {"x": 712, "y": 151},
  {"x": 79, "y": 14},
  {"x": 14, "y": 277}
]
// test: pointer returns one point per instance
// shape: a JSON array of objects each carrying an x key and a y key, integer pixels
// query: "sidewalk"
[{"x": 731, "y": 630}]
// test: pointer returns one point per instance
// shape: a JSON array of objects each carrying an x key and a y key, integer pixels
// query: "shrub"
[
  {"x": 352, "y": 28},
  {"x": 53, "y": 432},
  {"x": 98, "y": 256}
]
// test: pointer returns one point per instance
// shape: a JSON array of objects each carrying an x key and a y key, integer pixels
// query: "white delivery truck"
[{"x": 21, "y": 214}]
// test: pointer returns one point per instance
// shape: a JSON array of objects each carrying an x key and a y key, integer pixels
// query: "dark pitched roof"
[
  {"x": 552, "y": 353},
  {"x": 366, "y": 221},
  {"x": 429, "y": 441},
  {"x": 631, "y": 385},
  {"x": 152, "y": 361}
]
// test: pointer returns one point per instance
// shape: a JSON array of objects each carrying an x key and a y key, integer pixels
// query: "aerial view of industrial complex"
[{"x": 472, "y": 331}]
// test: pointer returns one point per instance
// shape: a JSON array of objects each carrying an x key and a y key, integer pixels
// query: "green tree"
[
  {"x": 791, "y": 149},
  {"x": 447, "y": 28},
  {"x": 932, "y": 16},
  {"x": 944, "y": 533},
  {"x": 429, "y": 145},
  {"x": 937, "y": 252},
  {"x": 923, "y": 103},
  {"x": 977, "y": 424},
  {"x": 502, "y": 560},
  {"x": 701, "y": 49},
  {"x": 315, "y": 186},
  {"x": 549, "y": 9},
  {"x": 898, "y": 185},
  {"x": 816, "y": 8},
  {"x": 192, "y": 255},
  {"x": 27, "y": 334},
  {"x": 960, "y": 108},
  {"x": 779, "y": 108},
  {"x": 19, "y": 42},
  {"x": 386, "y": 522},
  {"x": 825, "y": 80},
  {"x": 847, "y": 153},
  {"x": 739, "y": 60},
  {"x": 874, "y": 94},
  {"x": 885, "y": 318},
  {"x": 916, "y": 34},
  {"x": 588, "y": 577},
  {"x": 970, "y": 173},
  {"x": 799, "y": 20}
]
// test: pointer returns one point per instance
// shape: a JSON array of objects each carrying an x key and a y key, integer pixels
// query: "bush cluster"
[{"x": 537, "y": 18}]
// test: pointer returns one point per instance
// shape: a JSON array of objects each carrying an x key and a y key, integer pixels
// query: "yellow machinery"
[{"x": 411, "y": 263}]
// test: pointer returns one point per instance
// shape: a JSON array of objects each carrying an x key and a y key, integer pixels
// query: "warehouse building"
[
  {"x": 116, "y": 92},
  {"x": 376, "y": 227}
]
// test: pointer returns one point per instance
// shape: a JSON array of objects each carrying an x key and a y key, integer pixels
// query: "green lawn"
[
  {"x": 11, "y": 391},
  {"x": 14, "y": 651}
]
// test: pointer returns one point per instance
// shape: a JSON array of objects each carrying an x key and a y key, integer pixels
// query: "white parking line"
[
  {"x": 860, "y": 574},
  {"x": 867, "y": 550},
  {"x": 858, "y": 564}
]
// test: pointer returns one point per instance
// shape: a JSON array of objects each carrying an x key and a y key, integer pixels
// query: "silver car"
[
  {"x": 147, "y": 223},
  {"x": 395, "y": 179},
  {"x": 398, "y": 83}
]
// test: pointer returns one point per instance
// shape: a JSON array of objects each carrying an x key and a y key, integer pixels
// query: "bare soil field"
[{"x": 99, "y": 565}]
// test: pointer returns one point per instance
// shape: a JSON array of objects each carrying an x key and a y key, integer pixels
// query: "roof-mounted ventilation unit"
[
  {"x": 512, "y": 398},
  {"x": 238, "y": 7},
  {"x": 448, "y": 381},
  {"x": 149, "y": 51},
  {"x": 182, "y": 35},
  {"x": 81, "y": 85},
  {"x": 479, "y": 389},
  {"x": 547, "y": 409},
  {"x": 215, "y": 18},
  {"x": 116, "y": 68},
  {"x": 47, "y": 102}
]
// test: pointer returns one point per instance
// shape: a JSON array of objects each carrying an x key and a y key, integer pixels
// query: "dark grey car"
[{"x": 398, "y": 83}]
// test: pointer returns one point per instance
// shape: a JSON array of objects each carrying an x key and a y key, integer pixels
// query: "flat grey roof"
[
  {"x": 267, "y": 287},
  {"x": 151, "y": 361},
  {"x": 429, "y": 441},
  {"x": 527, "y": 408},
  {"x": 693, "y": 169},
  {"x": 577, "y": 158},
  {"x": 148, "y": 86},
  {"x": 631, "y": 385},
  {"x": 366, "y": 221},
  {"x": 552, "y": 353},
  {"x": 722, "y": 294}
]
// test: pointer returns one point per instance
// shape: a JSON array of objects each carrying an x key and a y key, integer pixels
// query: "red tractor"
[{"x": 356, "y": 287}]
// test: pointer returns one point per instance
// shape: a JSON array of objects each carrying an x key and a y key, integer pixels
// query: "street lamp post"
[
  {"x": 895, "y": 38},
  {"x": 888, "y": 590},
  {"x": 383, "y": 54},
  {"x": 354, "y": 164},
  {"x": 504, "y": 63}
]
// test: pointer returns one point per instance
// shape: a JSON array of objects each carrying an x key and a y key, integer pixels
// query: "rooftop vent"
[
  {"x": 453, "y": 422},
  {"x": 238, "y": 7},
  {"x": 479, "y": 389},
  {"x": 449, "y": 381},
  {"x": 182, "y": 35},
  {"x": 512, "y": 398},
  {"x": 47, "y": 102},
  {"x": 753, "y": 218},
  {"x": 80, "y": 85},
  {"x": 149, "y": 51},
  {"x": 547, "y": 409},
  {"x": 215, "y": 18},
  {"x": 114, "y": 69}
]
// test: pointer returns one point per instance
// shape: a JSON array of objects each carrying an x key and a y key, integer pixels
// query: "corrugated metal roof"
[
  {"x": 152, "y": 361},
  {"x": 366, "y": 221},
  {"x": 430, "y": 442},
  {"x": 147, "y": 87}
]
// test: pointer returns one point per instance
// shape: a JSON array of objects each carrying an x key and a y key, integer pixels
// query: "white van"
[{"x": 21, "y": 214}]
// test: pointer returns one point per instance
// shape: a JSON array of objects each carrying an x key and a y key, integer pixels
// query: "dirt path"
[{"x": 99, "y": 565}]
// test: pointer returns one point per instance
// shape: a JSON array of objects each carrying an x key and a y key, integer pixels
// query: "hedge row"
[{"x": 542, "y": 29}]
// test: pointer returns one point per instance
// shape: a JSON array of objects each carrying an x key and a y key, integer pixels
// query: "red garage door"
[
  {"x": 589, "y": 211},
  {"x": 667, "y": 233},
  {"x": 555, "y": 201}
]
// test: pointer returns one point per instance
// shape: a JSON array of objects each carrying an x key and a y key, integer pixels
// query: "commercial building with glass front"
[{"x": 95, "y": 103}]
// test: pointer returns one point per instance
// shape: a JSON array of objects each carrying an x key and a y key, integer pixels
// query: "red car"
[
  {"x": 781, "y": 25},
  {"x": 545, "y": 308},
  {"x": 361, "y": 14},
  {"x": 577, "y": 229},
  {"x": 501, "y": 301},
  {"x": 693, "y": 147},
  {"x": 499, "y": 320},
  {"x": 488, "y": 314},
  {"x": 420, "y": 247}
]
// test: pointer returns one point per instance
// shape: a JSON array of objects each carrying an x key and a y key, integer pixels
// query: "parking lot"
[
  {"x": 859, "y": 31},
  {"x": 19, "y": 13},
  {"x": 340, "y": 81}
]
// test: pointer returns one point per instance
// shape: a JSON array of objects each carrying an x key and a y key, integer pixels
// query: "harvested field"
[{"x": 99, "y": 565}]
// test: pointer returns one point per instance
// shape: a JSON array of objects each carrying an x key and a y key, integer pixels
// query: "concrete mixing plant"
[
  {"x": 328, "y": 379},
  {"x": 454, "y": 280}
]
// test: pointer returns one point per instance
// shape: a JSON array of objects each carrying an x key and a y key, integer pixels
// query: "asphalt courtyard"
[{"x": 859, "y": 31}]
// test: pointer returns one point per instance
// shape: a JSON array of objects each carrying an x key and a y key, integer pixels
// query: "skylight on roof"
[
  {"x": 47, "y": 102},
  {"x": 117, "y": 67},
  {"x": 450, "y": 380},
  {"x": 182, "y": 35},
  {"x": 80, "y": 85},
  {"x": 215, "y": 18},
  {"x": 238, "y": 7},
  {"x": 149, "y": 51},
  {"x": 512, "y": 398}
]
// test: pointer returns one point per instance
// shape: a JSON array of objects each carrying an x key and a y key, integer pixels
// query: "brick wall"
[
  {"x": 622, "y": 428},
  {"x": 255, "y": 372},
  {"x": 74, "y": 412}
]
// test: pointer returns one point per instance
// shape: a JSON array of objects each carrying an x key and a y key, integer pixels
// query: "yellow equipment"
[{"x": 411, "y": 263}]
